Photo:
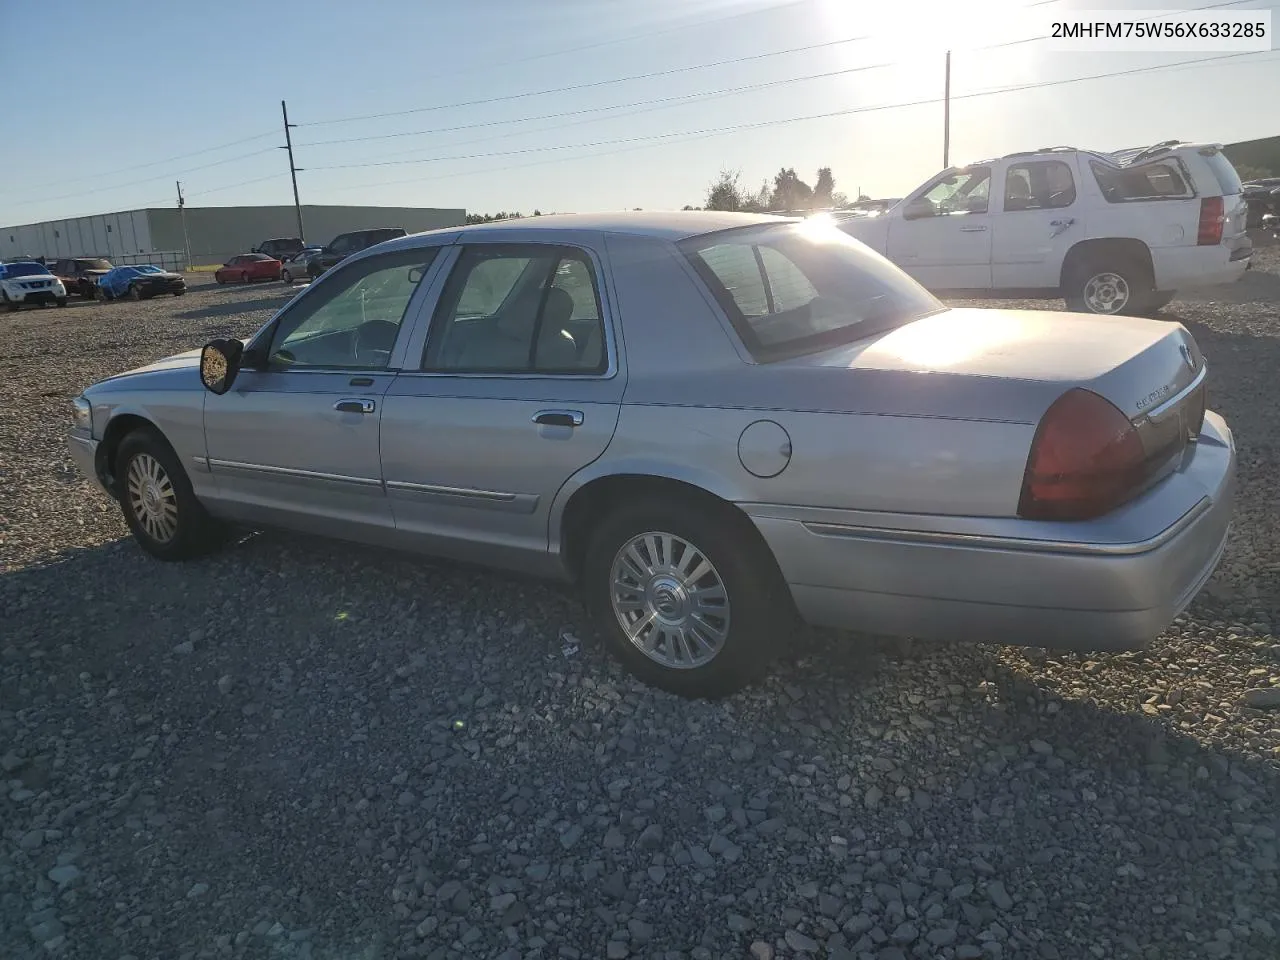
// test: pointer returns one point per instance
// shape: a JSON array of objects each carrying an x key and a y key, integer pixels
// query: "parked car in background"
[
  {"x": 25, "y": 283},
  {"x": 345, "y": 244},
  {"x": 710, "y": 422},
  {"x": 140, "y": 283},
  {"x": 1263, "y": 197},
  {"x": 280, "y": 248},
  {"x": 1110, "y": 233},
  {"x": 80, "y": 275},
  {"x": 248, "y": 267},
  {"x": 295, "y": 268}
]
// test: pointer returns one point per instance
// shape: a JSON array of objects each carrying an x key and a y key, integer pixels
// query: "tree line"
[{"x": 786, "y": 191}]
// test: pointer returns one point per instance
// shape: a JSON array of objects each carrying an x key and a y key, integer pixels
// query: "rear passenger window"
[
  {"x": 1039, "y": 185},
  {"x": 518, "y": 309},
  {"x": 1163, "y": 180}
]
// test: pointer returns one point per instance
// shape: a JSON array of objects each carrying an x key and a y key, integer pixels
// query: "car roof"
[{"x": 666, "y": 225}]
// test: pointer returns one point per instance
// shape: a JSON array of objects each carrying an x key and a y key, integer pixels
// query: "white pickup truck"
[{"x": 1109, "y": 232}]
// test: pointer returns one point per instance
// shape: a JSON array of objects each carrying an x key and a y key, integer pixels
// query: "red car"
[{"x": 247, "y": 268}]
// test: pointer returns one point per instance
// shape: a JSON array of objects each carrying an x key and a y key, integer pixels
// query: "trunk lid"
[{"x": 1135, "y": 363}]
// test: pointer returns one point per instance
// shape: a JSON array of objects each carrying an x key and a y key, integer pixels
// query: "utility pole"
[
  {"x": 182, "y": 211},
  {"x": 293, "y": 171},
  {"x": 946, "y": 118}
]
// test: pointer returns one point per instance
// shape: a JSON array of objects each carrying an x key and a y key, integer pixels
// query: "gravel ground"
[{"x": 302, "y": 749}]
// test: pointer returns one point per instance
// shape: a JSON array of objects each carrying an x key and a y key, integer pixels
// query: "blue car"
[{"x": 140, "y": 283}]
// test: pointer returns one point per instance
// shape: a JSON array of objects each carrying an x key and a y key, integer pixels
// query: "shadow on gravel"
[
  {"x": 358, "y": 750},
  {"x": 232, "y": 307}
]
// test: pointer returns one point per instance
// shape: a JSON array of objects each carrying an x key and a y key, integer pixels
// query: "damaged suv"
[{"x": 1111, "y": 233}]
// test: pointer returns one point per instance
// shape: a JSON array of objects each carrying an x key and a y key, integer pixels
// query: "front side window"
[
  {"x": 1038, "y": 185},
  {"x": 518, "y": 309},
  {"x": 955, "y": 192},
  {"x": 353, "y": 318},
  {"x": 799, "y": 288}
]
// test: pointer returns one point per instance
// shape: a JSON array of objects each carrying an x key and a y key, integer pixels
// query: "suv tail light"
[
  {"x": 1213, "y": 214},
  {"x": 1086, "y": 459}
]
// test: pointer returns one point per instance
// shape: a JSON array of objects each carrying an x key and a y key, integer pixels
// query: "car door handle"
[
  {"x": 973, "y": 229},
  {"x": 558, "y": 418},
  {"x": 355, "y": 406}
]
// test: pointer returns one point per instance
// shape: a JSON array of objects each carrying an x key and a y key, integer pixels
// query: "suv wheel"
[
  {"x": 688, "y": 599},
  {"x": 1108, "y": 288},
  {"x": 135, "y": 293},
  {"x": 159, "y": 505}
]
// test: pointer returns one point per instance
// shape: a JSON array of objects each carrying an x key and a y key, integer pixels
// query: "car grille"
[{"x": 36, "y": 284}]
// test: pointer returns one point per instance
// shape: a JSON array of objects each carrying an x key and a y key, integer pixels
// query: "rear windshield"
[
  {"x": 93, "y": 265},
  {"x": 1225, "y": 173},
  {"x": 798, "y": 288}
]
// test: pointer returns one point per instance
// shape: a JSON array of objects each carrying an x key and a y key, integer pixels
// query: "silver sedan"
[{"x": 713, "y": 424}]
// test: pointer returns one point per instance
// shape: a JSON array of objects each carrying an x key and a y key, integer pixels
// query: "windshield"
[
  {"x": 799, "y": 288},
  {"x": 148, "y": 269},
  {"x": 93, "y": 264},
  {"x": 24, "y": 270}
]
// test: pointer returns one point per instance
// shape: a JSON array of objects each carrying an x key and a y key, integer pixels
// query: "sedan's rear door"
[{"x": 512, "y": 387}]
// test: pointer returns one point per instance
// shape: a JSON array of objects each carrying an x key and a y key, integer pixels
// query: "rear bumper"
[
  {"x": 1083, "y": 594},
  {"x": 1181, "y": 268}
]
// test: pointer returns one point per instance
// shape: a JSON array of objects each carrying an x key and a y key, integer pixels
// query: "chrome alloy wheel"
[
  {"x": 152, "y": 498},
  {"x": 669, "y": 600},
  {"x": 1106, "y": 293}
]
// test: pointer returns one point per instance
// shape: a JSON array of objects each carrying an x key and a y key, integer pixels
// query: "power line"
[
  {"x": 636, "y": 143},
  {"x": 768, "y": 123},
  {"x": 590, "y": 85},
  {"x": 133, "y": 183},
  {"x": 660, "y": 102},
  {"x": 674, "y": 100},
  {"x": 141, "y": 166}
]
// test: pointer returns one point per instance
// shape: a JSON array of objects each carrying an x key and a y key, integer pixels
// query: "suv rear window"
[
  {"x": 1158, "y": 180},
  {"x": 1224, "y": 172},
  {"x": 799, "y": 288}
]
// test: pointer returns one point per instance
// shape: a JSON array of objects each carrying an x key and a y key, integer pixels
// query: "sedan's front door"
[
  {"x": 943, "y": 237},
  {"x": 295, "y": 442},
  {"x": 518, "y": 388}
]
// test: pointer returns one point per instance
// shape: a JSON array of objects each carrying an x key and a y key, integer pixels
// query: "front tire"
[
  {"x": 286, "y": 277},
  {"x": 244, "y": 278},
  {"x": 62, "y": 302},
  {"x": 159, "y": 505},
  {"x": 134, "y": 292},
  {"x": 689, "y": 599}
]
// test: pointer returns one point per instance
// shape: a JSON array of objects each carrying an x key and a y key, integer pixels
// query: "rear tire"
[
  {"x": 134, "y": 292},
  {"x": 244, "y": 278},
  {"x": 286, "y": 277},
  {"x": 1116, "y": 288},
  {"x": 159, "y": 505},
  {"x": 697, "y": 589}
]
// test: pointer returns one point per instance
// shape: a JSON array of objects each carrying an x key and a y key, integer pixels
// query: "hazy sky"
[{"x": 109, "y": 121}]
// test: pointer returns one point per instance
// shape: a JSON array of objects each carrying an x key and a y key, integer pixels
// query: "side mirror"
[
  {"x": 219, "y": 364},
  {"x": 977, "y": 205},
  {"x": 919, "y": 208}
]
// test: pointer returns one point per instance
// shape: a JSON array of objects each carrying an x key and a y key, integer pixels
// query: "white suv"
[
  {"x": 1110, "y": 233},
  {"x": 23, "y": 282}
]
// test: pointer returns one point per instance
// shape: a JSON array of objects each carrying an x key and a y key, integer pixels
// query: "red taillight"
[
  {"x": 1213, "y": 215},
  {"x": 1086, "y": 459}
]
